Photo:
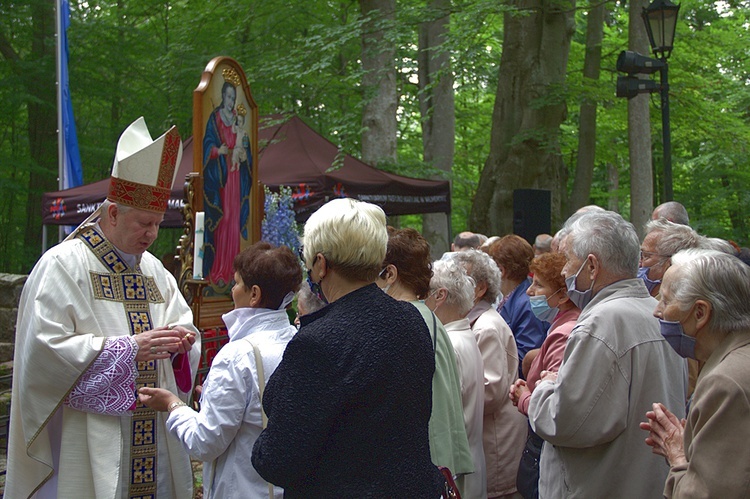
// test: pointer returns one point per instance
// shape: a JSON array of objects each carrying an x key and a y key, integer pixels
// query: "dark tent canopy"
[{"x": 291, "y": 154}]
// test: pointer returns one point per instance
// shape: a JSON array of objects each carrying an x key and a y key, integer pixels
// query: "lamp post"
[{"x": 660, "y": 18}]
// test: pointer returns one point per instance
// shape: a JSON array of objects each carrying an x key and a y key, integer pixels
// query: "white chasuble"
[{"x": 78, "y": 294}]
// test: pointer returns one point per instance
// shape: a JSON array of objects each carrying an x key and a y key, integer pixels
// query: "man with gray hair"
[
  {"x": 542, "y": 244},
  {"x": 98, "y": 319},
  {"x": 672, "y": 211},
  {"x": 663, "y": 239},
  {"x": 616, "y": 364}
]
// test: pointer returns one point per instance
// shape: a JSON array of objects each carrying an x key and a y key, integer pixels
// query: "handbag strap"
[
  {"x": 434, "y": 332},
  {"x": 261, "y": 381},
  {"x": 450, "y": 489},
  {"x": 261, "y": 389}
]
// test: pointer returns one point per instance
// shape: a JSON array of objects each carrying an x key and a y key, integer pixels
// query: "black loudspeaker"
[{"x": 532, "y": 210}]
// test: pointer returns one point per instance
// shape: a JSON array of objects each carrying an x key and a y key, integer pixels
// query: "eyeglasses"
[
  {"x": 382, "y": 273},
  {"x": 645, "y": 255}
]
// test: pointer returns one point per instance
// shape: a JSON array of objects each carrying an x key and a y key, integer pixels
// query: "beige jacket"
[
  {"x": 504, "y": 428},
  {"x": 718, "y": 427},
  {"x": 616, "y": 365}
]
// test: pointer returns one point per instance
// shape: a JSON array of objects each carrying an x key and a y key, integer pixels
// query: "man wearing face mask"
[
  {"x": 616, "y": 364},
  {"x": 663, "y": 239}
]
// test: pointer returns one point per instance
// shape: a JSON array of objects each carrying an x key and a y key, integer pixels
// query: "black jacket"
[{"x": 349, "y": 404}]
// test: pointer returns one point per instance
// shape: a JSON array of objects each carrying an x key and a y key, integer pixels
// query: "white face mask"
[
  {"x": 383, "y": 276},
  {"x": 436, "y": 305}
]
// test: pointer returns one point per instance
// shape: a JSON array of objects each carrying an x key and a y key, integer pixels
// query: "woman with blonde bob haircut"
[
  {"x": 352, "y": 237},
  {"x": 704, "y": 313},
  {"x": 349, "y": 405}
]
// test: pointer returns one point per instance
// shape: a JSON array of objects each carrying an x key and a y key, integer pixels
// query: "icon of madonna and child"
[{"x": 227, "y": 179}]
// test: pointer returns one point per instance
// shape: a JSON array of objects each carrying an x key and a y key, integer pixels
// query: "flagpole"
[{"x": 60, "y": 137}]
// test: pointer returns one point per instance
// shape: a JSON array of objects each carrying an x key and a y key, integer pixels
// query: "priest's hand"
[
  {"x": 158, "y": 399},
  {"x": 187, "y": 339},
  {"x": 160, "y": 343}
]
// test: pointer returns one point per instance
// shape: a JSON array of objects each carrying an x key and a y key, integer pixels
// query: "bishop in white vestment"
[{"x": 99, "y": 317}]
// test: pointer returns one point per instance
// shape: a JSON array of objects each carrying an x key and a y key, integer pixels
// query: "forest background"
[{"x": 494, "y": 95}]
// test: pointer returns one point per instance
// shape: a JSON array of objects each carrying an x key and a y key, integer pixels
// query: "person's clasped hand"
[
  {"x": 516, "y": 391},
  {"x": 547, "y": 376},
  {"x": 665, "y": 434}
]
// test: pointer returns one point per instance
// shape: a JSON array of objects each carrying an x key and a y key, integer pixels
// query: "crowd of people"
[{"x": 589, "y": 364}]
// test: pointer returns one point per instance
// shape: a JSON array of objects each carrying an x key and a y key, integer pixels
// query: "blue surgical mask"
[
  {"x": 579, "y": 298},
  {"x": 683, "y": 344},
  {"x": 315, "y": 288},
  {"x": 643, "y": 274},
  {"x": 541, "y": 309}
]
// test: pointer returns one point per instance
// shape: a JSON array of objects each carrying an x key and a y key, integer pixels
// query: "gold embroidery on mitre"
[
  {"x": 169, "y": 155},
  {"x": 137, "y": 195}
]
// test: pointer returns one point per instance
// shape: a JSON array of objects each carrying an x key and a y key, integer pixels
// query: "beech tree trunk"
[
  {"x": 437, "y": 109},
  {"x": 379, "y": 83},
  {"x": 529, "y": 108},
  {"x": 586, "y": 158},
  {"x": 639, "y": 131}
]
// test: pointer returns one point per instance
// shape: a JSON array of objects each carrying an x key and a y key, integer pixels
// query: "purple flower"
[{"x": 279, "y": 226}]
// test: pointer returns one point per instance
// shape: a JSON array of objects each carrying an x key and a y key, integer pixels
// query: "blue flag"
[{"x": 72, "y": 174}]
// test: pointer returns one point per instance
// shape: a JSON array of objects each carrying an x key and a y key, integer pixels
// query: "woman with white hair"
[
  {"x": 704, "y": 313},
  {"x": 503, "y": 427},
  {"x": 349, "y": 404},
  {"x": 451, "y": 297}
]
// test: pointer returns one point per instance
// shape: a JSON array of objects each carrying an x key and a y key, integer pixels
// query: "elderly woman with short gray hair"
[
  {"x": 504, "y": 428},
  {"x": 348, "y": 406},
  {"x": 704, "y": 313},
  {"x": 451, "y": 297}
]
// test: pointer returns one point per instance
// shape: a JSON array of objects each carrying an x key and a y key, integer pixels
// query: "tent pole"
[{"x": 44, "y": 238}]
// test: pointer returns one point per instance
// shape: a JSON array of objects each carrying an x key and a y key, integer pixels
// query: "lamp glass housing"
[{"x": 660, "y": 18}]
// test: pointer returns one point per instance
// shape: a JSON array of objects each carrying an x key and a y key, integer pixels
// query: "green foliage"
[{"x": 135, "y": 57}]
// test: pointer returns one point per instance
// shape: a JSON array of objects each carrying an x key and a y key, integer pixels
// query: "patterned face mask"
[{"x": 315, "y": 288}]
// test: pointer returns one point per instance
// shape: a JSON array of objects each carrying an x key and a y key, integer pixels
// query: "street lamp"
[{"x": 660, "y": 18}]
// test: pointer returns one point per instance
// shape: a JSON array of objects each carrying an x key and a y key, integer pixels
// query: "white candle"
[{"x": 198, "y": 245}]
